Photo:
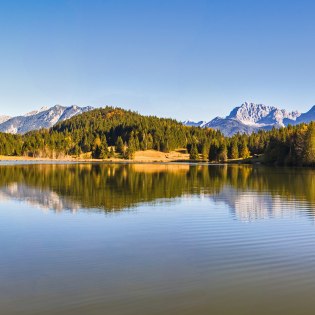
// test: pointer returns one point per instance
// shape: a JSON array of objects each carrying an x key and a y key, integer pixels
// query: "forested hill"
[
  {"x": 99, "y": 129},
  {"x": 115, "y": 132},
  {"x": 147, "y": 132}
]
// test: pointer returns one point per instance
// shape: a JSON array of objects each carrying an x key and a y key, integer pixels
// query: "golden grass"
[
  {"x": 140, "y": 156},
  {"x": 156, "y": 156}
]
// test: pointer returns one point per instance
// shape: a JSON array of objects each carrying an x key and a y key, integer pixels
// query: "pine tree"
[
  {"x": 222, "y": 152},
  {"x": 309, "y": 155},
  {"x": 120, "y": 145},
  {"x": 194, "y": 155},
  {"x": 234, "y": 150},
  {"x": 131, "y": 149},
  {"x": 205, "y": 150},
  {"x": 243, "y": 150},
  {"x": 213, "y": 151}
]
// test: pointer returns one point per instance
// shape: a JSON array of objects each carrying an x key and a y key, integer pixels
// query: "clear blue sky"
[{"x": 185, "y": 59}]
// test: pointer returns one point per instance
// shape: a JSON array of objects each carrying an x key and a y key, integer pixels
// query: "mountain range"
[
  {"x": 250, "y": 117},
  {"x": 38, "y": 119},
  {"x": 247, "y": 118}
]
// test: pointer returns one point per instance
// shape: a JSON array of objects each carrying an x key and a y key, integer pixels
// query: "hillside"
[
  {"x": 99, "y": 130},
  {"x": 115, "y": 134},
  {"x": 38, "y": 119},
  {"x": 247, "y": 118}
]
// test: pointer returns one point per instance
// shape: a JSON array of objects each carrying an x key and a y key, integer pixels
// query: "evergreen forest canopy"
[{"x": 110, "y": 132}]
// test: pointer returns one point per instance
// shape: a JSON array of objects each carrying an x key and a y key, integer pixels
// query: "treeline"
[
  {"x": 108, "y": 132},
  {"x": 290, "y": 146},
  {"x": 10, "y": 145},
  {"x": 294, "y": 145}
]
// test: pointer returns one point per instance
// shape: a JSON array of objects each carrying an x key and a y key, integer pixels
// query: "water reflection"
[
  {"x": 192, "y": 254},
  {"x": 250, "y": 192}
]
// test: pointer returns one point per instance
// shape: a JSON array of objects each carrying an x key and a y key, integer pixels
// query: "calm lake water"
[{"x": 156, "y": 239}]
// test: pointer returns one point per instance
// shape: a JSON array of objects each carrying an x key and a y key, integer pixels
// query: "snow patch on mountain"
[
  {"x": 259, "y": 115},
  {"x": 43, "y": 118},
  {"x": 190, "y": 123},
  {"x": 250, "y": 117},
  {"x": 230, "y": 126},
  {"x": 304, "y": 118}
]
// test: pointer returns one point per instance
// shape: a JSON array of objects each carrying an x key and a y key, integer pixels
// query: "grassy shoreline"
[
  {"x": 149, "y": 156},
  {"x": 141, "y": 157}
]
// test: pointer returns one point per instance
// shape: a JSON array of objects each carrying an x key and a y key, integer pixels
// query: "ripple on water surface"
[{"x": 124, "y": 239}]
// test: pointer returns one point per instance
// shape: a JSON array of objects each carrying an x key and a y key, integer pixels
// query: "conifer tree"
[
  {"x": 309, "y": 150},
  {"x": 243, "y": 149},
  {"x": 213, "y": 151},
  {"x": 120, "y": 145},
  {"x": 234, "y": 150},
  {"x": 194, "y": 155}
]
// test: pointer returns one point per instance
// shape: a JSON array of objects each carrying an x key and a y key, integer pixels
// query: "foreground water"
[{"x": 156, "y": 239}]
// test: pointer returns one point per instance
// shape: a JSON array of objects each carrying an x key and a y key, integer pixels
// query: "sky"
[{"x": 191, "y": 59}]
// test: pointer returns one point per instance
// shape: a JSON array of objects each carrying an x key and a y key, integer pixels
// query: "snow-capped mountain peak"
[
  {"x": 250, "y": 113},
  {"x": 250, "y": 117},
  {"x": 42, "y": 118},
  {"x": 259, "y": 115},
  {"x": 191, "y": 123}
]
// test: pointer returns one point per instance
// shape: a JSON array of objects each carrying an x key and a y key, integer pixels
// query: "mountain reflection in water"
[{"x": 250, "y": 192}]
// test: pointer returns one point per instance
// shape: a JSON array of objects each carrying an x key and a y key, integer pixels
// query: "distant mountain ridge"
[
  {"x": 38, "y": 119},
  {"x": 251, "y": 117},
  {"x": 190, "y": 123},
  {"x": 247, "y": 118}
]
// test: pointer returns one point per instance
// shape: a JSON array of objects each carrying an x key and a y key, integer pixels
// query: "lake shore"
[
  {"x": 141, "y": 157},
  {"x": 149, "y": 156}
]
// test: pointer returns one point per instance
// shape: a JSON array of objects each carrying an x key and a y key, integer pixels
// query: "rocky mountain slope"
[
  {"x": 306, "y": 117},
  {"x": 250, "y": 117},
  {"x": 43, "y": 118},
  {"x": 194, "y": 124},
  {"x": 247, "y": 118}
]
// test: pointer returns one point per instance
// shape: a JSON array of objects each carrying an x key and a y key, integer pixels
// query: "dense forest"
[
  {"x": 108, "y": 132},
  {"x": 290, "y": 146}
]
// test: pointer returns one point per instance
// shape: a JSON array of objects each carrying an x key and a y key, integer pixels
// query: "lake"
[{"x": 156, "y": 239}]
